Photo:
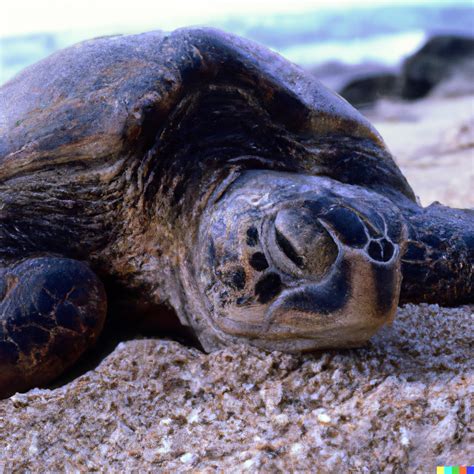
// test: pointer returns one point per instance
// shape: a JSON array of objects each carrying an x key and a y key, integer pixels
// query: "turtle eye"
[
  {"x": 288, "y": 249},
  {"x": 299, "y": 245}
]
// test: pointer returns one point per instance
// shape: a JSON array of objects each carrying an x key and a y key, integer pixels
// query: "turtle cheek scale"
[{"x": 295, "y": 271}]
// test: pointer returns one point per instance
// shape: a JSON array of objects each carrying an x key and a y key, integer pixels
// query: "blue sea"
[{"x": 381, "y": 35}]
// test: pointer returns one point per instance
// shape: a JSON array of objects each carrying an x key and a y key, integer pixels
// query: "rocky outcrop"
[
  {"x": 364, "y": 91},
  {"x": 438, "y": 60},
  {"x": 444, "y": 63}
]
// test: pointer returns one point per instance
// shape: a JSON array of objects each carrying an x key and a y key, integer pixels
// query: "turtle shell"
[{"x": 198, "y": 98}]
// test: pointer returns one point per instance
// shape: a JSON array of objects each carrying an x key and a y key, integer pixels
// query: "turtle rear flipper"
[{"x": 51, "y": 310}]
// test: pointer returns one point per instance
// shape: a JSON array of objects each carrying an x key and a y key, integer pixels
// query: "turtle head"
[{"x": 288, "y": 262}]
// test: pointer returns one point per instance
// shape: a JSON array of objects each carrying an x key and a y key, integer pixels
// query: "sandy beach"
[{"x": 432, "y": 141}]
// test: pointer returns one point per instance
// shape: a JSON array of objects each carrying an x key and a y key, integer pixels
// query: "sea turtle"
[{"x": 203, "y": 172}]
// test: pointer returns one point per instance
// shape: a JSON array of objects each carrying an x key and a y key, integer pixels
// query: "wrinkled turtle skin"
[{"x": 202, "y": 172}]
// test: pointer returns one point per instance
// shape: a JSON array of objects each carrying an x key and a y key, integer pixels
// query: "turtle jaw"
[
  {"x": 285, "y": 262},
  {"x": 343, "y": 310}
]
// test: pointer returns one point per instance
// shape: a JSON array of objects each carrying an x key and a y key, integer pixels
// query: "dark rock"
[
  {"x": 435, "y": 62},
  {"x": 366, "y": 90},
  {"x": 336, "y": 75}
]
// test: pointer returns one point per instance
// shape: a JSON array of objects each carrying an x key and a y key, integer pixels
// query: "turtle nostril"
[
  {"x": 288, "y": 249},
  {"x": 381, "y": 250},
  {"x": 375, "y": 250},
  {"x": 388, "y": 249}
]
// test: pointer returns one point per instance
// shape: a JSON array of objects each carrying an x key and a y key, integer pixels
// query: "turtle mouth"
[
  {"x": 346, "y": 276},
  {"x": 344, "y": 309},
  {"x": 317, "y": 310}
]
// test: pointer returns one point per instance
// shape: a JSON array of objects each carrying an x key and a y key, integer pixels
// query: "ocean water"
[
  {"x": 382, "y": 35},
  {"x": 385, "y": 49}
]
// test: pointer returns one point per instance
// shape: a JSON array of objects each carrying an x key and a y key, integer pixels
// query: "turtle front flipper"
[
  {"x": 51, "y": 310},
  {"x": 438, "y": 264}
]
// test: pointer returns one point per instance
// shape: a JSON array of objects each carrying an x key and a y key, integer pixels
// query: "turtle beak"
[{"x": 343, "y": 310}]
